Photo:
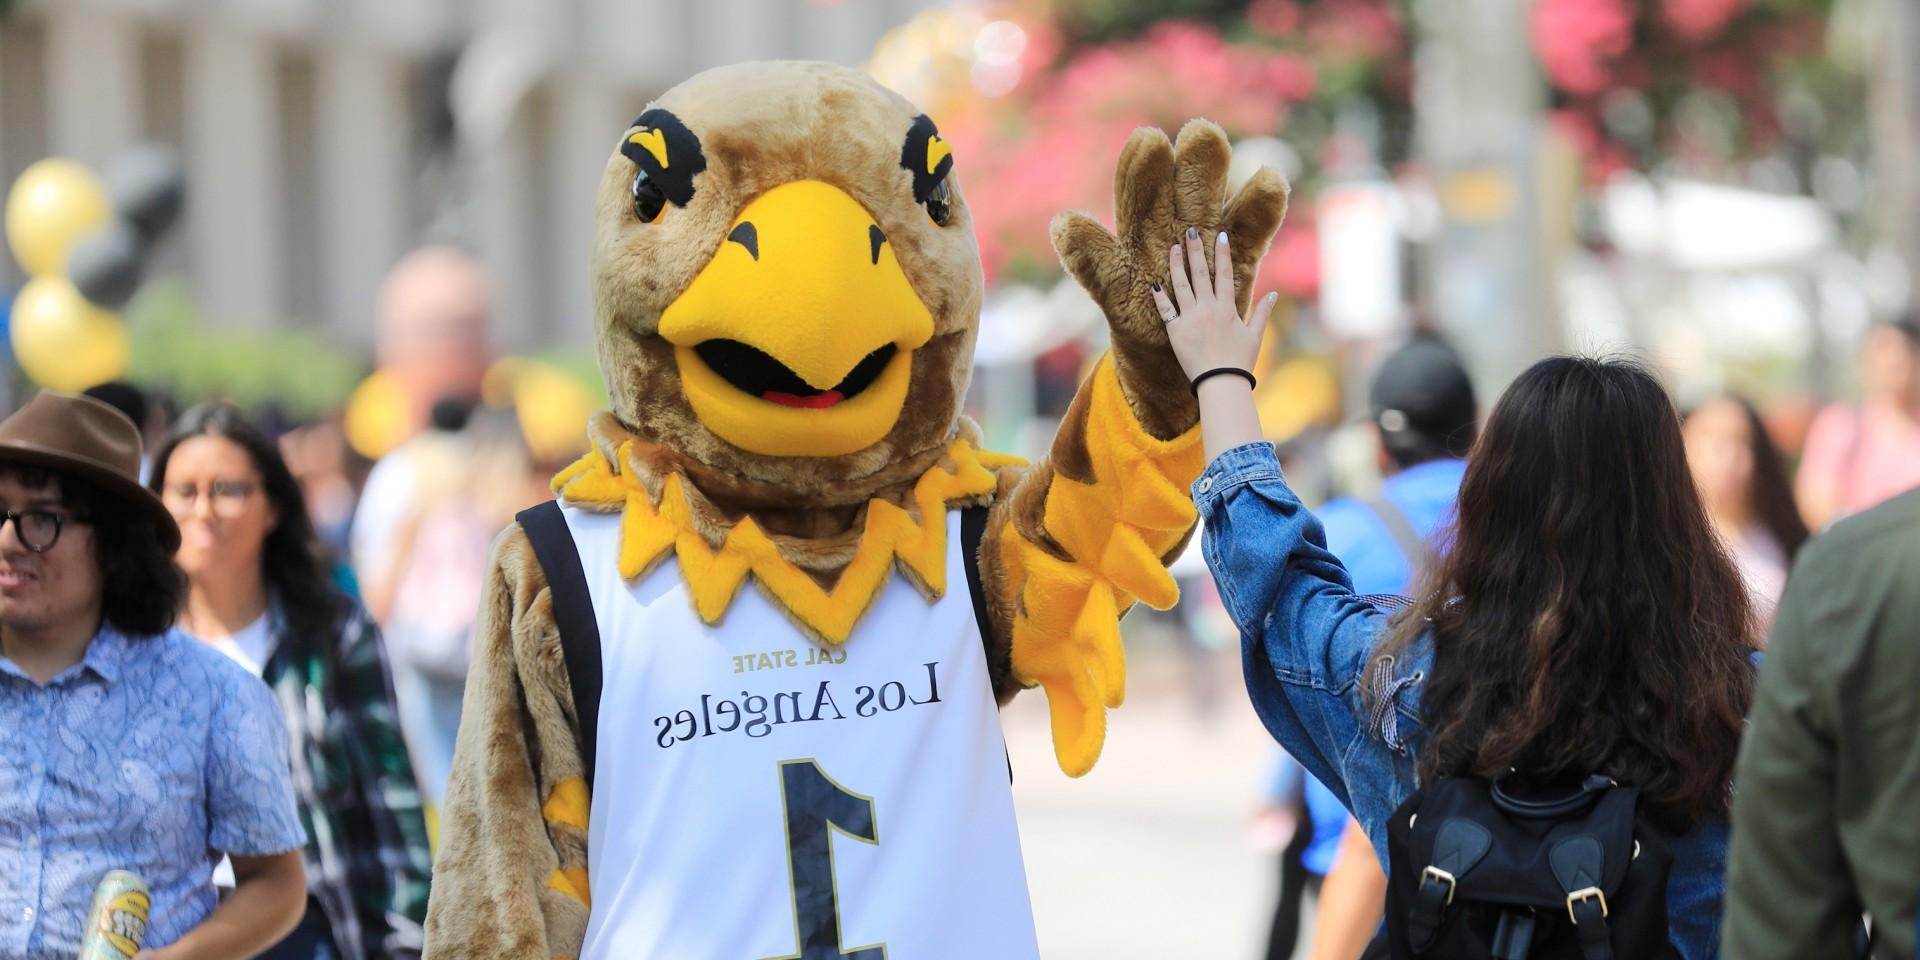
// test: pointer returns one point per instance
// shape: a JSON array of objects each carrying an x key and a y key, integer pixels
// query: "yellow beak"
[{"x": 797, "y": 337}]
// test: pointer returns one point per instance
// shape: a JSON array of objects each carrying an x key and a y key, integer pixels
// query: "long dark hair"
[
  {"x": 291, "y": 561},
  {"x": 1586, "y": 619},
  {"x": 1769, "y": 491}
]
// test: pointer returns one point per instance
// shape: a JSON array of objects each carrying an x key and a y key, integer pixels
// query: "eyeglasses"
[
  {"x": 38, "y": 530},
  {"x": 228, "y": 498}
]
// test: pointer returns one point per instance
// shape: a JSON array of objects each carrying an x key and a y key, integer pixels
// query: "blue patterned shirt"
[{"x": 153, "y": 755}]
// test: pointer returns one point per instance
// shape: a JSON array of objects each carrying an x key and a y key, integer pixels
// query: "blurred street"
[{"x": 1149, "y": 855}]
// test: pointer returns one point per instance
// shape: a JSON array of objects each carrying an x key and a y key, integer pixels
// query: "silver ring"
[{"x": 1170, "y": 314}]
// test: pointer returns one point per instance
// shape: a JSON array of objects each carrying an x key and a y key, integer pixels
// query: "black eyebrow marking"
[
  {"x": 913, "y": 156},
  {"x": 747, "y": 236},
  {"x": 876, "y": 237},
  {"x": 684, "y": 160}
]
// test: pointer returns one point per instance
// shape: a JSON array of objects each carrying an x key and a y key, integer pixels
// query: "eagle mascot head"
[{"x": 787, "y": 285}]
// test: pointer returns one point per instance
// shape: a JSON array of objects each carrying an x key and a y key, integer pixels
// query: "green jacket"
[
  {"x": 366, "y": 855},
  {"x": 1826, "y": 810}
]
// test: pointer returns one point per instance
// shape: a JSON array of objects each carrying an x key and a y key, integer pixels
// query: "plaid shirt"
[{"x": 366, "y": 855}]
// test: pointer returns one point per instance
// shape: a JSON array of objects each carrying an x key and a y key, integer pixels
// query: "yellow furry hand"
[{"x": 1115, "y": 532}]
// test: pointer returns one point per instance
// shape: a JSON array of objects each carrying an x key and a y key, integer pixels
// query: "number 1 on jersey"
[{"x": 816, "y": 807}]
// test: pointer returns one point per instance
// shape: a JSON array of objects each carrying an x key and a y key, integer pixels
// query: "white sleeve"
[{"x": 383, "y": 507}]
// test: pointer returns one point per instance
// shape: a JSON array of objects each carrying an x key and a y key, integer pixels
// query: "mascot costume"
[{"x": 735, "y": 697}]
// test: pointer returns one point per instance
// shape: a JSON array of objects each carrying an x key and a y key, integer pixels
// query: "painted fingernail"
[
  {"x": 1223, "y": 236},
  {"x": 1156, "y": 288},
  {"x": 1192, "y": 234}
]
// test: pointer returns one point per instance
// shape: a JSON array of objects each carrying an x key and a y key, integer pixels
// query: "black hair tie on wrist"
[{"x": 1236, "y": 371}]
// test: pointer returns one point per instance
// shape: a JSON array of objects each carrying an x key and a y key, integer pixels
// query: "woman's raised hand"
[{"x": 1202, "y": 324}]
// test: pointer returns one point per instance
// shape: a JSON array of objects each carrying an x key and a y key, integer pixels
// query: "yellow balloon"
[
  {"x": 1298, "y": 393},
  {"x": 64, "y": 342},
  {"x": 553, "y": 409},
  {"x": 496, "y": 388},
  {"x": 54, "y": 203},
  {"x": 379, "y": 415}
]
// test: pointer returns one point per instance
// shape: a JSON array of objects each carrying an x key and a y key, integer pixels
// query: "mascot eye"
[
  {"x": 940, "y": 203},
  {"x": 648, "y": 198}
]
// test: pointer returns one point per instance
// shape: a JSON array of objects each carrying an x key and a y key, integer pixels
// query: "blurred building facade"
[{"x": 323, "y": 138}]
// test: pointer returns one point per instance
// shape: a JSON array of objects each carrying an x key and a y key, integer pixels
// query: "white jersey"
[{"x": 759, "y": 797}]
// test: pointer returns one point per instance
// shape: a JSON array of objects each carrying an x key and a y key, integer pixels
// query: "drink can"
[{"x": 117, "y": 921}]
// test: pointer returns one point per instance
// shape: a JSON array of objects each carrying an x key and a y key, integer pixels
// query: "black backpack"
[{"x": 1482, "y": 869}]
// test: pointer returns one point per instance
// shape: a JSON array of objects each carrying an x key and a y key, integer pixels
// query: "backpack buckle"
[
  {"x": 1582, "y": 895},
  {"x": 1435, "y": 873}
]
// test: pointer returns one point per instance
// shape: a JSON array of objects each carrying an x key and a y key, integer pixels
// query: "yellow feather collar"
[{"x": 912, "y": 538}]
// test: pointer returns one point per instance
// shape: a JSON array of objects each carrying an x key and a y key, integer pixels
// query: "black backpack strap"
[
  {"x": 973, "y": 530},
  {"x": 546, "y": 529},
  {"x": 1457, "y": 848},
  {"x": 1513, "y": 937},
  {"x": 1577, "y": 863}
]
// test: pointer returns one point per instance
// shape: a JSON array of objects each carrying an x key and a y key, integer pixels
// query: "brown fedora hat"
[{"x": 86, "y": 438}]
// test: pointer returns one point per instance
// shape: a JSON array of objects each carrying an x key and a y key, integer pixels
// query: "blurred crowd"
[
  {"x": 407, "y": 535},
  {"x": 351, "y": 586}
]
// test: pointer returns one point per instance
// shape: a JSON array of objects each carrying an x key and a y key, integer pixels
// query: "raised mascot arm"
[{"x": 1075, "y": 540}]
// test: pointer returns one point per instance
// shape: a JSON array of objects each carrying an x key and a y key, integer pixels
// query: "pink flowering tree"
[
  {"x": 1698, "y": 84},
  {"x": 1090, "y": 73}
]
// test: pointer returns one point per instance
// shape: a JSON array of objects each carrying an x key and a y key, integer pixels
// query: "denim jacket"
[{"x": 1307, "y": 644}]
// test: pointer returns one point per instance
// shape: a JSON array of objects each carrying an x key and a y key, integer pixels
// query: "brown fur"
[
  {"x": 761, "y": 125},
  {"x": 517, "y": 740}
]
